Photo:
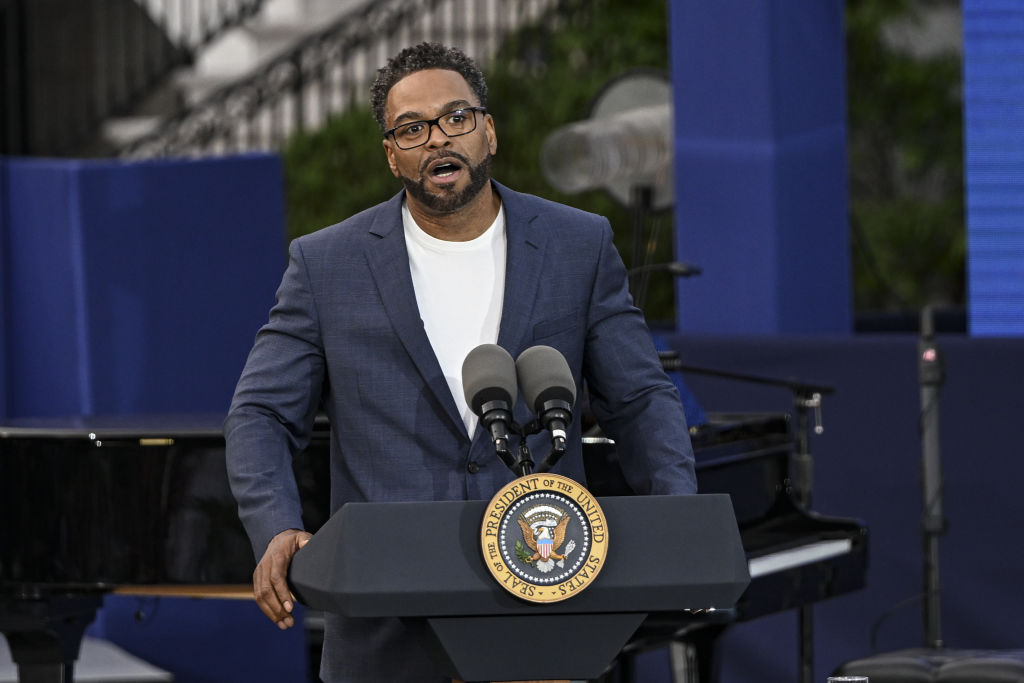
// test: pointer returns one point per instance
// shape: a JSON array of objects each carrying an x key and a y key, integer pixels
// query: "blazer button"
[{"x": 472, "y": 467}]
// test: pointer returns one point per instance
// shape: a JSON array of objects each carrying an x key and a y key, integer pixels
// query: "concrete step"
[{"x": 125, "y": 130}]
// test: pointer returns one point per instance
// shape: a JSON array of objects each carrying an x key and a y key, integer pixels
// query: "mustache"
[{"x": 444, "y": 155}]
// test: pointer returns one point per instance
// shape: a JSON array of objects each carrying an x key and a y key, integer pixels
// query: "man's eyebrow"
[
  {"x": 445, "y": 108},
  {"x": 408, "y": 116},
  {"x": 456, "y": 104}
]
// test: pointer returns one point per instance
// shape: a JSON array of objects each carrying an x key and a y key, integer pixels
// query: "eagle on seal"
[{"x": 556, "y": 534}]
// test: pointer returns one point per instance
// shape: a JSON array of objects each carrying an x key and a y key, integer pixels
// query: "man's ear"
[
  {"x": 492, "y": 136},
  {"x": 389, "y": 152}
]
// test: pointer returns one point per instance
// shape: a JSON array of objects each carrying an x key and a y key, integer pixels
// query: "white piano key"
[{"x": 796, "y": 557}]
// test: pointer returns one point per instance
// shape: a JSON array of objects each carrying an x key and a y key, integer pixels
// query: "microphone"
[
  {"x": 550, "y": 392},
  {"x": 489, "y": 385}
]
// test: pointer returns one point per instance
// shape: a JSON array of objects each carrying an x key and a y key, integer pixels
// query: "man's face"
[{"x": 446, "y": 173}]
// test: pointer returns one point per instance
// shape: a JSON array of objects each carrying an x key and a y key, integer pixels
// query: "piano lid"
[
  {"x": 90, "y": 502},
  {"x": 92, "y": 427}
]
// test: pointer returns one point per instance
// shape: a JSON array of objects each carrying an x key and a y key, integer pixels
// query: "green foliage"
[
  {"x": 906, "y": 164},
  {"x": 523, "y": 554},
  {"x": 917, "y": 252},
  {"x": 335, "y": 172}
]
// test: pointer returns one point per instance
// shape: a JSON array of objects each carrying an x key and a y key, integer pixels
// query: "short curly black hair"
[{"x": 417, "y": 58}]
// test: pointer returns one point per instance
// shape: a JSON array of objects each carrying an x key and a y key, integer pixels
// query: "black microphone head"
[
  {"x": 489, "y": 374},
  {"x": 544, "y": 375}
]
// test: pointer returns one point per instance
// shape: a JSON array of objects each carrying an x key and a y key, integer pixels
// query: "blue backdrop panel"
[
  {"x": 760, "y": 166},
  {"x": 137, "y": 288},
  {"x": 206, "y": 641},
  {"x": 867, "y": 465},
  {"x": 994, "y": 137}
]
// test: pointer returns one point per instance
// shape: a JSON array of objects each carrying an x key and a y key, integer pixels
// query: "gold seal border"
[{"x": 490, "y": 537}]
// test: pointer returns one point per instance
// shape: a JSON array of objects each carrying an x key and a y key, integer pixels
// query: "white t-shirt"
[{"x": 460, "y": 287}]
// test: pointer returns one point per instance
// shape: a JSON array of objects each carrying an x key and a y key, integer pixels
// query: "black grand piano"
[{"x": 93, "y": 505}]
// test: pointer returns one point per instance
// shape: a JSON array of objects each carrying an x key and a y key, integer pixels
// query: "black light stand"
[
  {"x": 805, "y": 398},
  {"x": 931, "y": 374},
  {"x": 645, "y": 243},
  {"x": 934, "y": 661},
  {"x": 640, "y": 197}
]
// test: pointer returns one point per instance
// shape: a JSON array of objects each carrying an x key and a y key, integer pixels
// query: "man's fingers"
[
  {"x": 266, "y": 596},
  {"x": 270, "y": 584},
  {"x": 279, "y": 583},
  {"x": 276, "y": 610}
]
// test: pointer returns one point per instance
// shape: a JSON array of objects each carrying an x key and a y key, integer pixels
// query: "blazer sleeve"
[
  {"x": 273, "y": 408},
  {"x": 631, "y": 396}
]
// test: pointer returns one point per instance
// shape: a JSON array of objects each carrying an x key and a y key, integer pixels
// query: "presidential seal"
[{"x": 544, "y": 537}]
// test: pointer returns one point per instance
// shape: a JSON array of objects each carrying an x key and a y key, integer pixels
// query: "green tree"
[
  {"x": 335, "y": 172},
  {"x": 906, "y": 162}
]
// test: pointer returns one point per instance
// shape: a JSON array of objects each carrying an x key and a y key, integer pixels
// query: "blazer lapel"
[
  {"x": 524, "y": 258},
  {"x": 525, "y": 238},
  {"x": 389, "y": 264}
]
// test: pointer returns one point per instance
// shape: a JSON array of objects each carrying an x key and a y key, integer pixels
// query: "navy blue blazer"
[{"x": 345, "y": 336}]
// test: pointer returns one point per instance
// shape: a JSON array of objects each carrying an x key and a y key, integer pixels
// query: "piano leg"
[
  {"x": 683, "y": 662},
  {"x": 46, "y": 673},
  {"x": 806, "y": 618},
  {"x": 694, "y": 657},
  {"x": 45, "y": 634}
]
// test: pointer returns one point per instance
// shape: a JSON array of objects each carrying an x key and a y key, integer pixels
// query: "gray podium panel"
[{"x": 424, "y": 561}]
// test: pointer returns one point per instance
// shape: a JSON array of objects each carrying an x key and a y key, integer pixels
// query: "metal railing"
[
  {"x": 142, "y": 41},
  {"x": 77, "y": 62},
  {"x": 326, "y": 73},
  {"x": 191, "y": 24}
]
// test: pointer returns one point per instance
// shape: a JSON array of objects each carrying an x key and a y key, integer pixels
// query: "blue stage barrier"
[
  {"x": 206, "y": 641},
  {"x": 136, "y": 287}
]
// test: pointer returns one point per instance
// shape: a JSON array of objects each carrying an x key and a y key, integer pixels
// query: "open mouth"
[{"x": 444, "y": 169}]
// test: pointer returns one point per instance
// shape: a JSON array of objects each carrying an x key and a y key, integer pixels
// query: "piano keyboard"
[{"x": 796, "y": 557}]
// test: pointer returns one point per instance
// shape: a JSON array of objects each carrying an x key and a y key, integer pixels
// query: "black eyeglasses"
[{"x": 453, "y": 124}]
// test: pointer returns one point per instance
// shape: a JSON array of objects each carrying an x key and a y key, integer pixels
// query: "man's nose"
[{"x": 435, "y": 136}]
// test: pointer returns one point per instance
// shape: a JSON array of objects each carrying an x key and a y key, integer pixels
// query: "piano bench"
[{"x": 927, "y": 665}]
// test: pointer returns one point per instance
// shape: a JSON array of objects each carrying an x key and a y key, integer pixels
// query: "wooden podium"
[{"x": 424, "y": 561}]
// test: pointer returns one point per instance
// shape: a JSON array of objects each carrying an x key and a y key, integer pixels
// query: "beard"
[{"x": 449, "y": 200}]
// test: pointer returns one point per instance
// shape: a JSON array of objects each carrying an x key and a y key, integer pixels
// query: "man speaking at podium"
[{"x": 374, "y": 317}]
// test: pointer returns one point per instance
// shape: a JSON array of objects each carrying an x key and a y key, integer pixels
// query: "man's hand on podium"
[{"x": 269, "y": 581}]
